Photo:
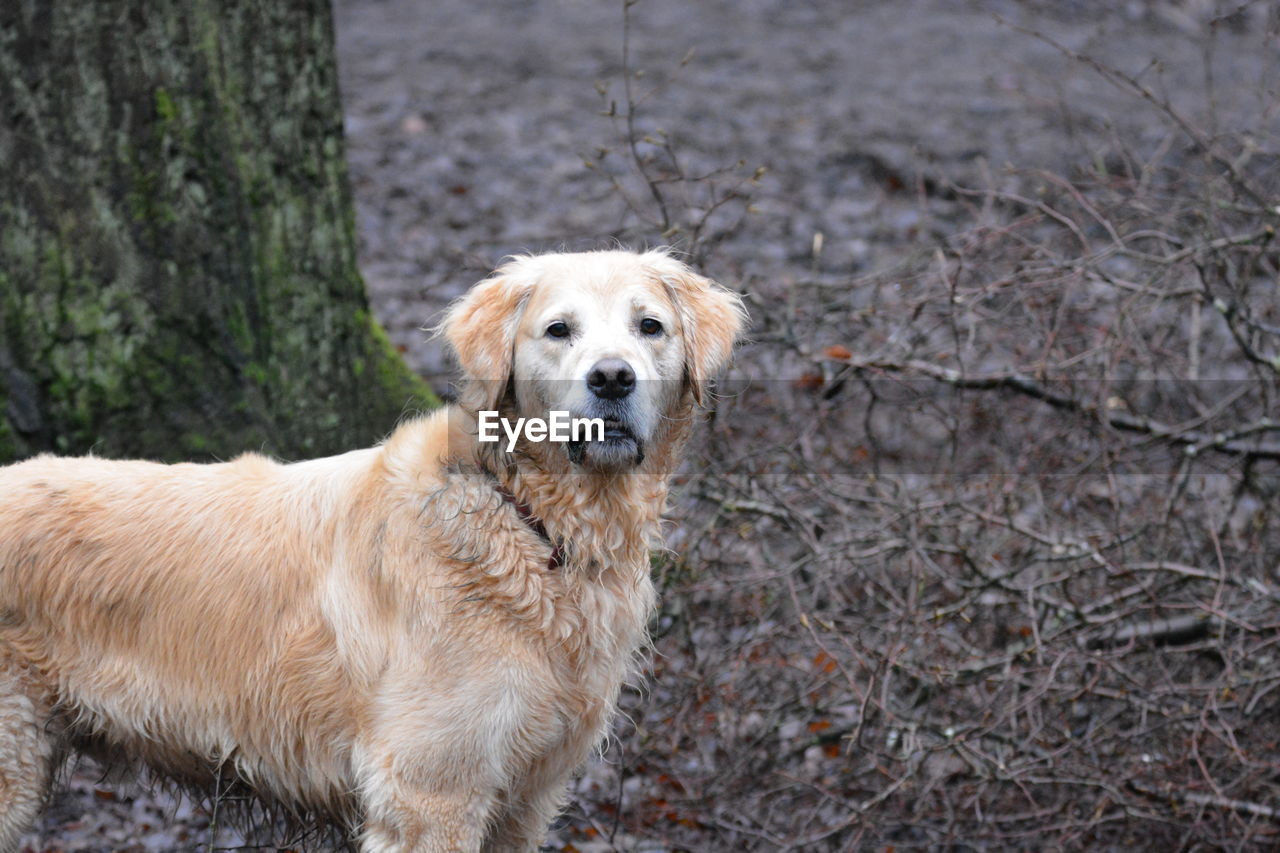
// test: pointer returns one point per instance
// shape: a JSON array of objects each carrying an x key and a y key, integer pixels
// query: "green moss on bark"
[{"x": 177, "y": 238}]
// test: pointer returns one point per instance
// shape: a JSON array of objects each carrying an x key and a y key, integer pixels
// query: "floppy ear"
[
  {"x": 711, "y": 319},
  {"x": 480, "y": 327}
]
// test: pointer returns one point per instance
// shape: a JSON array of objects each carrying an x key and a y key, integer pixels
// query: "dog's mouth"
[
  {"x": 615, "y": 430},
  {"x": 619, "y": 447}
]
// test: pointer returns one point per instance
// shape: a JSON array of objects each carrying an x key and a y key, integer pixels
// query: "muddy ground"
[
  {"x": 479, "y": 129},
  {"x": 469, "y": 123}
]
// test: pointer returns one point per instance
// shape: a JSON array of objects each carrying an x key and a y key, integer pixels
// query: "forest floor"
[{"x": 477, "y": 130}]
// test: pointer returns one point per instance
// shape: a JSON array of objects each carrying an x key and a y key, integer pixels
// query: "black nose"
[{"x": 611, "y": 379}]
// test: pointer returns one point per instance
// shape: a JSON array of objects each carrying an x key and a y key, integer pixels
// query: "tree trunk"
[{"x": 177, "y": 254}]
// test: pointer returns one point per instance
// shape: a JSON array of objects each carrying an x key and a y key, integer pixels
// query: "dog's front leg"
[
  {"x": 521, "y": 826},
  {"x": 432, "y": 777},
  {"x": 401, "y": 820}
]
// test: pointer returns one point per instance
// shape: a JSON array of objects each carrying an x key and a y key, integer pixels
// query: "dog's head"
[{"x": 631, "y": 339}]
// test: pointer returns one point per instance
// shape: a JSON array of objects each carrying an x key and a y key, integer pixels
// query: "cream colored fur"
[{"x": 375, "y": 636}]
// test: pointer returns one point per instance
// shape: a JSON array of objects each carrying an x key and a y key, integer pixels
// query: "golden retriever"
[{"x": 422, "y": 640}]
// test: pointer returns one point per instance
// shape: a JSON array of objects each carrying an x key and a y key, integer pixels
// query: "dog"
[{"x": 421, "y": 641}]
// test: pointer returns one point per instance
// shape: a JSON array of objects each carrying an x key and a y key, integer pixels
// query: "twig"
[
  {"x": 1174, "y": 630},
  {"x": 1194, "y": 441},
  {"x": 1168, "y": 792}
]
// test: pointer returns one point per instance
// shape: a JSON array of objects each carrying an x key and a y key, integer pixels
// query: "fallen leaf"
[
  {"x": 809, "y": 382},
  {"x": 837, "y": 352}
]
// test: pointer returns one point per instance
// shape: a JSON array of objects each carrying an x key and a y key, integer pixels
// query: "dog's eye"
[
  {"x": 558, "y": 329},
  {"x": 650, "y": 326}
]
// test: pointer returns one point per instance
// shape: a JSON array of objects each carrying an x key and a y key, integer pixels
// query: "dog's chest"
[{"x": 588, "y": 666}]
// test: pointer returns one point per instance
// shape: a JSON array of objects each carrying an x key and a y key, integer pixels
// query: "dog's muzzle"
[{"x": 611, "y": 382}]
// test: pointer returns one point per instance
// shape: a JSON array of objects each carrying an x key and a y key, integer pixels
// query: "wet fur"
[{"x": 374, "y": 637}]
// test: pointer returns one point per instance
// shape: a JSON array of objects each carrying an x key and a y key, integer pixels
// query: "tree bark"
[{"x": 177, "y": 252}]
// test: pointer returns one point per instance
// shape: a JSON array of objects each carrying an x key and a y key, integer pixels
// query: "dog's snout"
[{"x": 611, "y": 379}]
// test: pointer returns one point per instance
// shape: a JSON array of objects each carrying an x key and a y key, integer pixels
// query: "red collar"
[{"x": 556, "y": 560}]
